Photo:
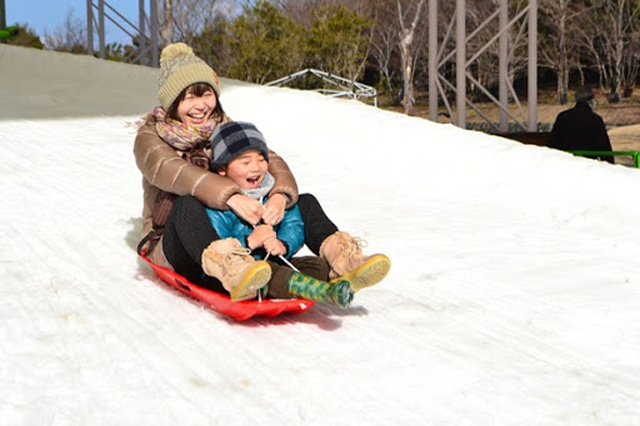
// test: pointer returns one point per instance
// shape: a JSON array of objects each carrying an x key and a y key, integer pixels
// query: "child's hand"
[
  {"x": 275, "y": 247},
  {"x": 259, "y": 235}
]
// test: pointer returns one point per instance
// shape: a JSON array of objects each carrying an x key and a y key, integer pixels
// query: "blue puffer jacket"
[{"x": 290, "y": 230}]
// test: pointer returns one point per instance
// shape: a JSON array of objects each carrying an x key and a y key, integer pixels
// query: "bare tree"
[
  {"x": 631, "y": 63},
  {"x": 384, "y": 44},
  {"x": 408, "y": 19},
  {"x": 557, "y": 47},
  {"x": 185, "y": 19},
  {"x": 605, "y": 31},
  {"x": 70, "y": 37},
  {"x": 166, "y": 25},
  {"x": 300, "y": 10}
]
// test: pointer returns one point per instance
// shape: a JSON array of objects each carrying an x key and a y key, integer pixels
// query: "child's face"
[
  {"x": 195, "y": 110},
  {"x": 247, "y": 170}
]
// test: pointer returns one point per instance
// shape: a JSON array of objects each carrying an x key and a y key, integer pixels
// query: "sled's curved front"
[{"x": 239, "y": 311}]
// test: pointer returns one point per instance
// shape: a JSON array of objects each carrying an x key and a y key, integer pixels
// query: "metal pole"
[
  {"x": 3, "y": 19},
  {"x": 3, "y": 16},
  {"x": 142, "y": 39},
  {"x": 101, "y": 28},
  {"x": 154, "y": 33},
  {"x": 461, "y": 68},
  {"x": 533, "y": 66},
  {"x": 503, "y": 71},
  {"x": 433, "y": 59},
  {"x": 90, "y": 27}
]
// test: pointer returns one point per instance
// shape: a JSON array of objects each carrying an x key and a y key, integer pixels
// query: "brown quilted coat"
[{"x": 164, "y": 169}]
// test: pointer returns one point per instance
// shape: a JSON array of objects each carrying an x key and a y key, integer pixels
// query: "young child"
[{"x": 241, "y": 154}]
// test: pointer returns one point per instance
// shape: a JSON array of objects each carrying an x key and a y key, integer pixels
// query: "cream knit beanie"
[{"x": 179, "y": 69}]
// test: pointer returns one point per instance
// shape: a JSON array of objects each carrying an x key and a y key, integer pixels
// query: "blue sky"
[{"x": 48, "y": 15}]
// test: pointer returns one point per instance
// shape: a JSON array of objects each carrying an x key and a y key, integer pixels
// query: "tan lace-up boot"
[
  {"x": 240, "y": 274},
  {"x": 344, "y": 255}
]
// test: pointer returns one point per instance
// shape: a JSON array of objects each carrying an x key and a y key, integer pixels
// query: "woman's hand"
[
  {"x": 274, "y": 209},
  {"x": 247, "y": 208}
]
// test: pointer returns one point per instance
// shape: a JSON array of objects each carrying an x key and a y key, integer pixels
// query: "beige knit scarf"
[{"x": 193, "y": 141}]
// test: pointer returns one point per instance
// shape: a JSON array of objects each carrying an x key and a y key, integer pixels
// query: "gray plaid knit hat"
[{"x": 232, "y": 139}]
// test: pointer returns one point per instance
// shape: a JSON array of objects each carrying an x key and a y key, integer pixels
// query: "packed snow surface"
[{"x": 513, "y": 296}]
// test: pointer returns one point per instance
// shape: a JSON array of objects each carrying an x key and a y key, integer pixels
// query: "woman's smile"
[{"x": 197, "y": 119}]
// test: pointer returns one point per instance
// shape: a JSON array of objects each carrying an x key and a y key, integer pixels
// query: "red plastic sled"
[{"x": 239, "y": 311}]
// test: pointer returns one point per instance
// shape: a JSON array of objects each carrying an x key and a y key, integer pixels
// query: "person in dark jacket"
[{"x": 579, "y": 128}]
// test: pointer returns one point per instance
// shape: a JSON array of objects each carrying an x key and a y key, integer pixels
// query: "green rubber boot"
[{"x": 338, "y": 293}]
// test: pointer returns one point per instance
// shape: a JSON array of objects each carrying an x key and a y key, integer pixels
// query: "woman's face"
[{"x": 195, "y": 110}]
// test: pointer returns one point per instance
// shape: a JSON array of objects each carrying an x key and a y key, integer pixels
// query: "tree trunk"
[
  {"x": 166, "y": 29},
  {"x": 408, "y": 99},
  {"x": 406, "y": 55},
  {"x": 563, "y": 60}
]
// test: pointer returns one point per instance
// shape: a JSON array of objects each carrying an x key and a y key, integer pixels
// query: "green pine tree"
[
  {"x": 338, "y": 42},
  {"x": 264, "y": 44}
]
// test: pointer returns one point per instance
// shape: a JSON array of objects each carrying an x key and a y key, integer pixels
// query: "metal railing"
[
  {"x": 145, "y": 35},
  {"x": 342, "y": 87}
]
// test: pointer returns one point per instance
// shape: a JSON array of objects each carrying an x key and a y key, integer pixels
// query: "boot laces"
[
  {"x": 354, "y": 246},
  {"x": 234, "y": 259}
]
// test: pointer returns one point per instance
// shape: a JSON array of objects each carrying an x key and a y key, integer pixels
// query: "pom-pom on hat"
[
  {"x": 179, "y": 69},
  {"x": 232, "y": 139}
]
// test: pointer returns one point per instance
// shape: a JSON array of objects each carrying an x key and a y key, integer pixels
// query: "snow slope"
[{"x": 513, "y": 296}]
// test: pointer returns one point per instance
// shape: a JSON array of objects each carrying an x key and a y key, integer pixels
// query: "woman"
[{"x": 172, "y": 151}]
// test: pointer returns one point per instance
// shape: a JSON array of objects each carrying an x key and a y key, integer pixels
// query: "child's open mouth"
[{"x": 254, "y": 182}]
